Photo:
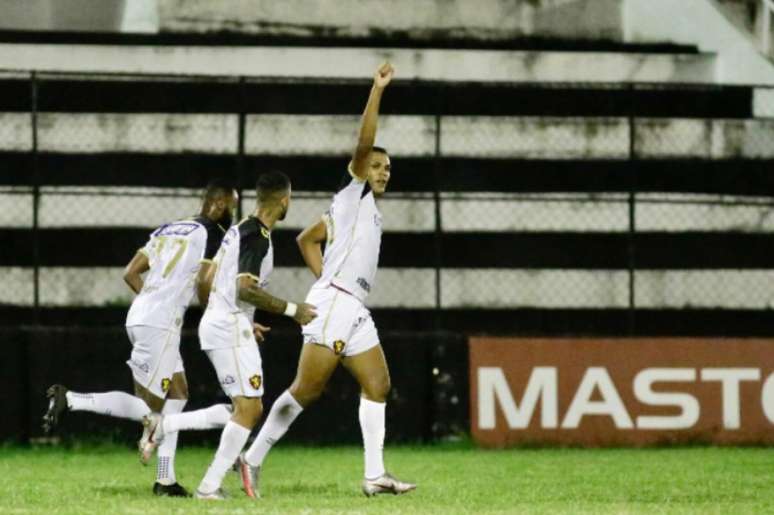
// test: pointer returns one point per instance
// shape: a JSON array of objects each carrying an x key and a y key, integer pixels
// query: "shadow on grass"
[
  {"x": 319, "y": 489},
  {"x": 123, "y": 490}
]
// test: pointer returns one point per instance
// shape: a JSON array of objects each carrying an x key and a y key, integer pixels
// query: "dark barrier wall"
[{"x": 429, "y": 397}]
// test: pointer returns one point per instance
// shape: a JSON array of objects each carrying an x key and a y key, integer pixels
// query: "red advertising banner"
[{"x": 636, "y": 391}]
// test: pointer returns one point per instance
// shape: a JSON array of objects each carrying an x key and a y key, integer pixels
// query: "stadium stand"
[{"x": 614, "y": 188}]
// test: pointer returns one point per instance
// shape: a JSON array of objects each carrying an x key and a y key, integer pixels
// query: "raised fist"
[{"x": 383, "y": 75}]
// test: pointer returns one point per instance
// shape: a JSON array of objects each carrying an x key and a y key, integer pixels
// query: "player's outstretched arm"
[
  {"x": 249, "y": 291},
  {"x": 310, "y": 244},
  {"x": 134, "y": 270},
  {"x": 367, "y": 134}
]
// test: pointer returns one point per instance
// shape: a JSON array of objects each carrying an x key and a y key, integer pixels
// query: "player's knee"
[
  {"x": 247, "y": 412},
  {"x": 256, "y": 411},
  {"x": 377, "y": 388},
  {"x": 306, "y": 393},
  {"x": 178, "y": 391}
]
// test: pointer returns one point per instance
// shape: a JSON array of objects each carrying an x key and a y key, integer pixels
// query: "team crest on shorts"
[
  {"x": 165, "y": 384},
  {"x": 338, "y": 346},
  {"x": 255, "y": 382}
]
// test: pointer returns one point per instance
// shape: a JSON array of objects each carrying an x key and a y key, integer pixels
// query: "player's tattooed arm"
[
  {"x": 134, "y": 270},
  {"x": 367, "y": 134},
  {"x": 310, "y": 244},
  {"x": 249, "y": 291}
]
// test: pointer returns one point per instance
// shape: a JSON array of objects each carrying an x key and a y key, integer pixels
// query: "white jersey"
[
  {"x": 354, "y": 227},
  {"x": 175, "y": 252},
  {"x": 246, "y": 250}
]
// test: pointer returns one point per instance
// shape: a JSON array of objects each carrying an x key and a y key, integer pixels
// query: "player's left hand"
[{"x": 260, "y": 331}]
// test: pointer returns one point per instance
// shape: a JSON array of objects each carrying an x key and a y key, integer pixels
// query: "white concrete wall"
[
  {"x": 415, "y": 288},
  {"x": 702, "y": 23},
  {"x": 63, "y": 207},
  {"x": 528, "y": 137},
  {"x": 97, "y": 206},
  {"x": 421, "y": 19},
  {"x": 68, "y": 15}
]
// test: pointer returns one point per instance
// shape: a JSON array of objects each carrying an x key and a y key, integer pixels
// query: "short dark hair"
[
  {"x": 271, "y": 183},
  {"x": 379, "y": 149},
  {"x": 218, "y": 187}
]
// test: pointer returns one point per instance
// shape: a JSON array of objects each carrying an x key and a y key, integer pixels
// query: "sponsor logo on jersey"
[
  {"x": 364, "y": 284},
  {"x": 177, "y": 229},
  {"x": 165, "y": 384},
  {"x": 377, "y": 220},
  {"x": 256, "y": 381},
  {"x": 338, "y": 346}
]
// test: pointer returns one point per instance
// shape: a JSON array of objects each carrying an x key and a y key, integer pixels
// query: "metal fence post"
[
  {"x": 240, "y": 157},
  {"x": 24, "y": 355},
  {"x": 35, "y": 195},
  {"x": 438, "y": 232},
  {"x": 631, "y": 246}
]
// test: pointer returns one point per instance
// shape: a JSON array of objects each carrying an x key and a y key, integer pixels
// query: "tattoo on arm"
[{"x": 255, "y": 295}]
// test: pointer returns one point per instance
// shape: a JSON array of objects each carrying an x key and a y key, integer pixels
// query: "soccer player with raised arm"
[
  {"x": 241, "y": 273},
  {"x": 344, "y": 331},
  {"x": 177, "y": 258}
]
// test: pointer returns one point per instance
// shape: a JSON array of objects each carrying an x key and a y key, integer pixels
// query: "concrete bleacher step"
[
  {"x": 356, "y": 63},
  {"x": 524, "y": 137}
]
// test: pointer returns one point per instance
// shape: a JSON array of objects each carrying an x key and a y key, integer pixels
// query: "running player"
[
  {"x": 177, "y": 258},
  {"x": 241, "y": 273},
  {"x": 344, "y": 331}
]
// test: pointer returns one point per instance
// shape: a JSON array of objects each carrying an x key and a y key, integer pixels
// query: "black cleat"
[
  {"x": 57, "y": 404},
  {"x": 173, "y": 490}
]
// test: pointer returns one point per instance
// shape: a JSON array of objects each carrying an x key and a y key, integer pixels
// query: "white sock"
[
  {"x": 112, "y": 404},
  {"x": 283, "y": 412},
  {"x": 371, "y": 415},
  {"x": 165, "y": 465},
  {"x": 232, "y": 441},
  {"x": 213, "y": 417}
]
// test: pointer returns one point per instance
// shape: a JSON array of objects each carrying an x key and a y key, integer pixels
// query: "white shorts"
[
  {"x": 239, "y": 370},
  {"x": 343, "y": 323},
  {"x": 155, "y": 357},
  {"x": 229, "y": 342}
]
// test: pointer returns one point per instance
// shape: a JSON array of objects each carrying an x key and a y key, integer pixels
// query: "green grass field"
[{"x": 453, "y": 478}]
